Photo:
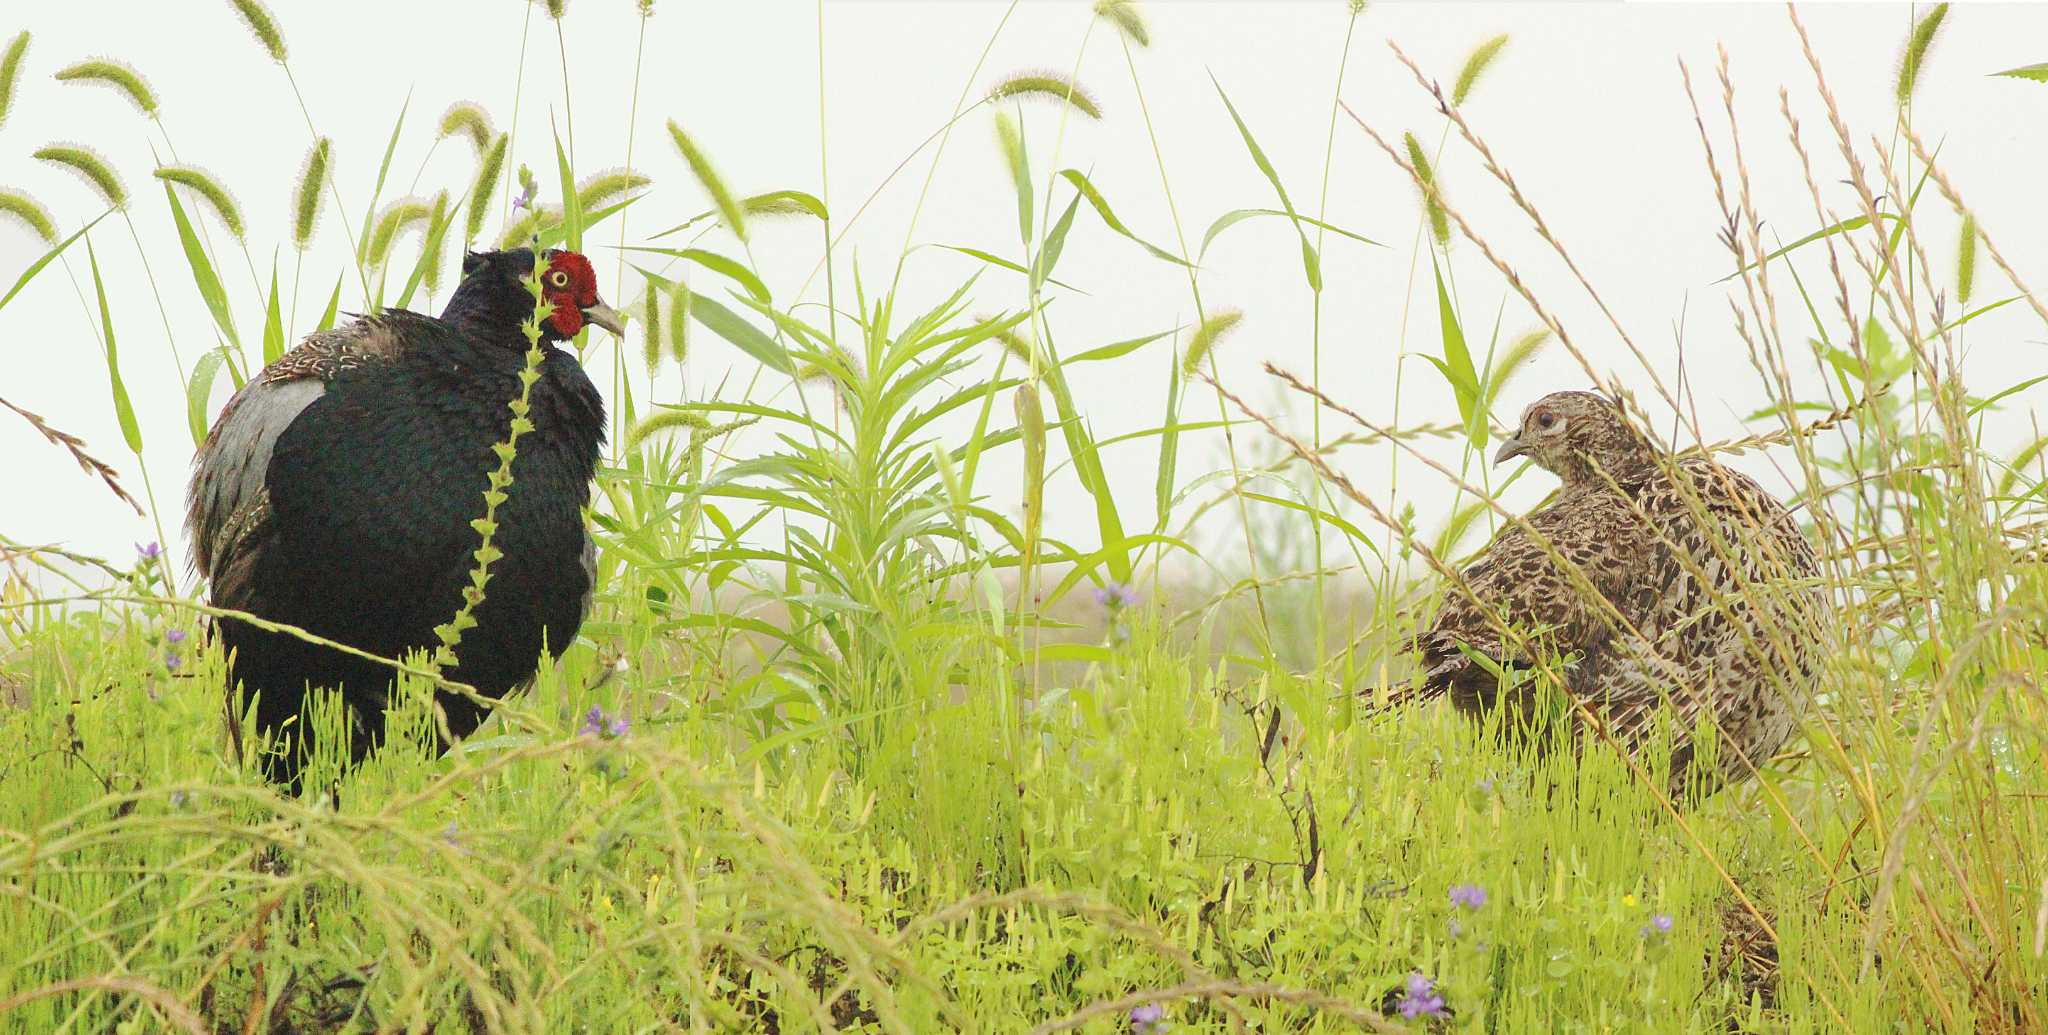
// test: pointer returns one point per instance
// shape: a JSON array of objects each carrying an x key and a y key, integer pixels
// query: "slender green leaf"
[
  {"x": 37, "y": 266},
  {"x": 1109, "y": 219},
  {"x": 273, "y": 324},
  {"x": 131, "y": 432},
  {"x": 199, "y": 391},
  {"x": 1311, "y": 267},
  {"x": 202, "y": 271}
]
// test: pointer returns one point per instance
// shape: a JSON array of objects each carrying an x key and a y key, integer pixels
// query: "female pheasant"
[{"x": 1656, "y": 580}]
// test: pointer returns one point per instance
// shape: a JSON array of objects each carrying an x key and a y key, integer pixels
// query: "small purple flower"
[
  {"x": 1468, "y": 896},
  {"x": 174, "y": 636},
  {"x": 1659, "y": 925},
  {"x": 149, "y": 551},
  {"x": 524, "y": 199},
  {"x": 1116, "y": 596},
  {"x": 173, "y": 662},
  {"x": 1457, "y": 929},
  {"x": 597, "y": 724},
  {"x": 1485, "y": 785},
  {"x": 1149, "y": 1019},
  {"x": 1421, "y": 999},
  {"x": 178, "y": 799}
]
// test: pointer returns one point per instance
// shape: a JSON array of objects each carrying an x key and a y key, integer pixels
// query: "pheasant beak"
[
  {"x": 1510, "y": 449},
  {"x": 606, "y": 317}
]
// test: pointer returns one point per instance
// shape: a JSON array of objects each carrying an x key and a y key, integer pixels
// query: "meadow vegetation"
[{"x": 850, "y": 742}]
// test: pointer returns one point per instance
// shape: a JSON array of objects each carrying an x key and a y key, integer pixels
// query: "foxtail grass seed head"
[
  {"x": 29, "y": 213},
  {"x": 679, "y": 322},
  {"x": 399, "y": 216},
  {"x": 666, "y": 420},
  {"x": 122, "y": 78},
  {"x": 1047, "y": 85},
  {"x": 783, "y": 203},
  {"x": 522, "y": 230},
  {"x": 651, "y": 341},
  {"x": 603, "y": 187},
  {"x": 700, "y": 166},
  {"x": 1213, "y": 330},
  {"x": 1015, "y": 345},
  {"x": 1439, "y": 223},
  {"x": 263, "y": 26},
  {"x": 469, "y": 119},
  {"x": 557, "y": 8},
  {"x": 1966, "y": 260},
  {"x": 646, "y": 8},
  {"x": 10, "y": 72},
  {"x": 203, "y": 183},
  {"x": 485, "y": 186},
  {"x": 1476, "y": 66},
  {"x": 306, "y": 199},
  {"x": 1124, "y": 14},
  {"x": 1915, "y": 55},
  {"x": 1357, "y": 7},
  {"x": 90, "y": 167},
  {"x": 435, "y": 246}
]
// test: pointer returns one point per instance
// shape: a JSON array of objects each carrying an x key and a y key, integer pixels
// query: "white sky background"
[{"x": 1585, "y": 107}]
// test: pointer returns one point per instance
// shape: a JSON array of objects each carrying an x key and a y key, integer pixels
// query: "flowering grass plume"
[
  {"x": 118, "y": 75},
  {"x": 29, "y": 212},
  {"x": 10, "y": 73},
  {"x": 469, "y": 120},
  {"x": 91, "y": 168},
  {"x": 1050, "y": 85},
  {"x": 263, "y": 25},
  {"x": 1128, "y": 20},
  {"x": 306, "y": 198},
  {"x": 204, "y": 184}
]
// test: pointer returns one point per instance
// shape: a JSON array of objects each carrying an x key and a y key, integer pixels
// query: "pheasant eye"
[
  {"x": 558, "y": 279},
  {"x": 1545, "y": 420}
]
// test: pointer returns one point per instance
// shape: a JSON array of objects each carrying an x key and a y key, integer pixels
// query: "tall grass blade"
[
  {"x": 203, "y": 273},
  {"x": 124, "y": 411},
  {"x": 1311, "y": 267}
]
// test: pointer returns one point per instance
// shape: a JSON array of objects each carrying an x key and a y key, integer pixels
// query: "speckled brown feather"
[{"x": 1708, "y": 598}]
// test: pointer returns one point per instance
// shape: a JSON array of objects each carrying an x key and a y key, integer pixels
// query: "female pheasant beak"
[
  {"x": 1510, "y": 449},
  {"x": 606, "y": 317}
]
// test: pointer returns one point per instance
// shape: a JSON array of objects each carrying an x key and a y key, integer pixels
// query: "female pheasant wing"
[
  {"x": 228, "y": 508},
  {"x": 1518, "y": 600}
]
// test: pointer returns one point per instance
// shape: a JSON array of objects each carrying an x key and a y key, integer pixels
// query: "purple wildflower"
[
  {"x": 1469, "y": 896},
  {"x": 597, "y": 724},
  {"x": 524, "y": 199},
  {"x": 1421, "y": 999},
  {"x": 1457, "y": 929},
  {"x": 173, "y": 662},
  {"x": 174, "y": 636},
  {"x": 1116, "y": 595},
  {"x": 1149, "y": 1019},
  {"x": 149, "y": 551},
  {"x": 1660, "y": 924}
]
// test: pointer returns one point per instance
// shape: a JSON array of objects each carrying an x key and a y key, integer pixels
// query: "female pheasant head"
[{"x": 1576, "y": 436}]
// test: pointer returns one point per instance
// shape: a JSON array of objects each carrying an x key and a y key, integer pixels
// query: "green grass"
[{"x": 888, "y": 765}]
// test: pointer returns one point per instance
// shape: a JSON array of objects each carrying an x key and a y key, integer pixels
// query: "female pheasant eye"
[
  {"x": 558, "y": 279},
  {"x": 1545, "y": 420}
]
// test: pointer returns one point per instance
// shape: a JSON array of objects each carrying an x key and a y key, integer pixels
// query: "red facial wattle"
[{"x": 570, "y": 285}]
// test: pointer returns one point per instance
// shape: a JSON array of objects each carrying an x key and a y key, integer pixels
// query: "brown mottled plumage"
[{"x": 1686, "y": 584}]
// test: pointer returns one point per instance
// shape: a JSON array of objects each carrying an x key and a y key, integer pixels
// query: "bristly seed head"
[
  {"x": 485, "y": 186},
  {"x": 115, "y": 74},
  {"x": 30, "y": 214},
  {"x": 605, "y": 185},
  {"x": 1475, "y": 66},
  {"x": 469, "y": 119},
  {"x": 400, "y": 215},
  {"x": 90, "y": 167},
  {"x": 700, "y": 166},
  {"x": 10, "y": 72},
  {"x": 1124, "y": 15},
  {"x": 306, "y": 199},
  {"x": 1050, "y": 85},
  {"x": 557, "y": 8},
  {"x": 1213, "y": 330},
  {"x": 263, "y": 25},
  {"x": 203, "y": 183}
]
